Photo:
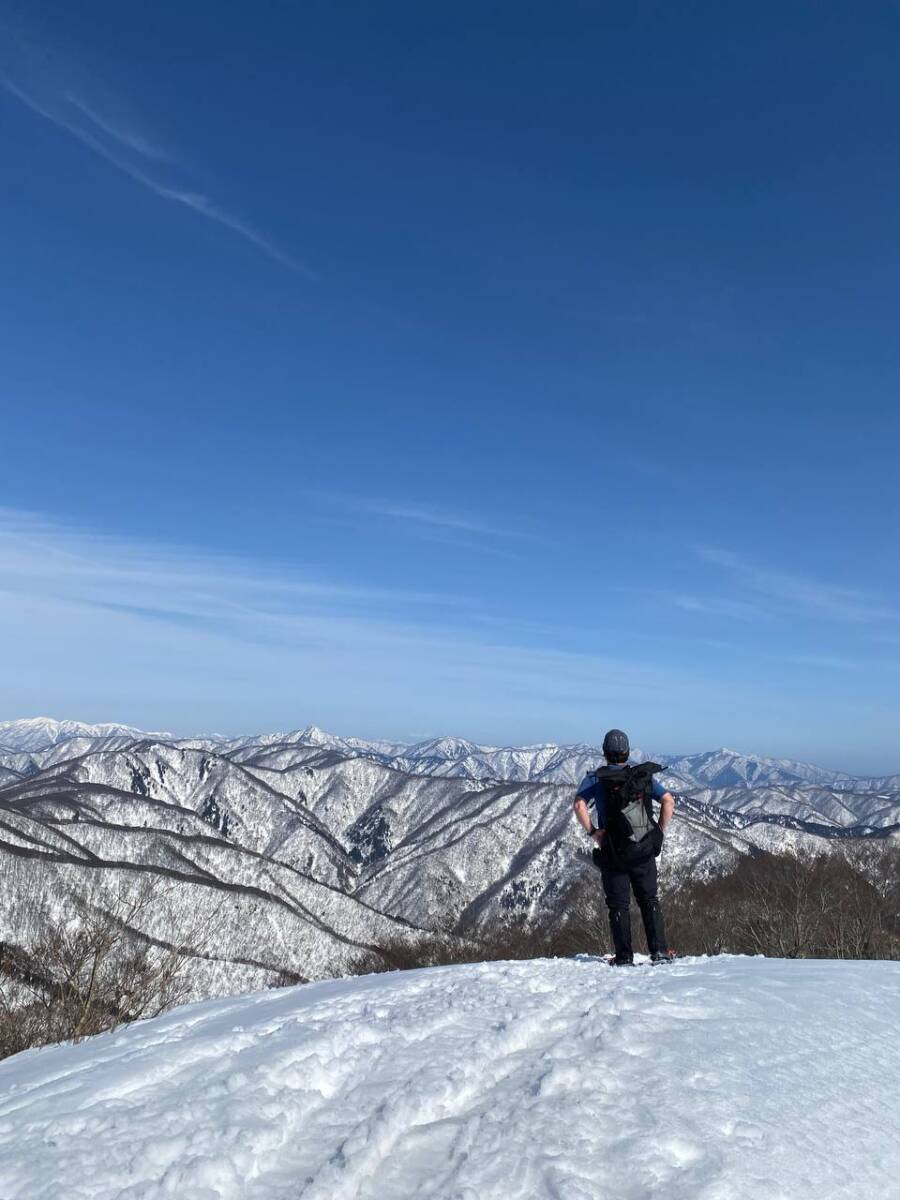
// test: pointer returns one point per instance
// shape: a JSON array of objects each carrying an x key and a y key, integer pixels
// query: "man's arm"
[
  {"x": 584, "y": 819},
  {"x": 666, "y": 809}
]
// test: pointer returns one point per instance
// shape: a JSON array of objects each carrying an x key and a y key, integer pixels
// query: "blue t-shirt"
[{"x": 593, "y": 791}]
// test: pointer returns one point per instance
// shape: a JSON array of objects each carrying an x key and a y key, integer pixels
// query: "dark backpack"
[{"x": 628, "y": 794}]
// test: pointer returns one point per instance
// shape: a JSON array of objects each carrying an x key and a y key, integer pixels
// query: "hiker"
[{"x": 627, "y": 841}]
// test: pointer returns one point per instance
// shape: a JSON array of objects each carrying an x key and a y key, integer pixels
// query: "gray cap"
[{"x": 615, "y": 744}]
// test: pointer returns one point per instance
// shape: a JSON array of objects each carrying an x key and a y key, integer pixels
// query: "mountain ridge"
[{"x": 41, "y": 733}]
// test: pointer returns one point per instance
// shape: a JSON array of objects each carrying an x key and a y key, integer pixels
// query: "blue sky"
[{"x": 510, "y": 370}]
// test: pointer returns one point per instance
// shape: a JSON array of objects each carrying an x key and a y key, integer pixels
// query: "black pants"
[{"x": 620, "y": 878}]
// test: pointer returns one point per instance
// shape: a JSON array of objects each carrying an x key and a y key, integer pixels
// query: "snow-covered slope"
[
  {"x": 220, "y": 793},
  {"x": 255, "y": 885},
  {"x": 8, "y": 775},
  {"x": 811, "y": 804},
  {"x": 716, "y": 1079}
]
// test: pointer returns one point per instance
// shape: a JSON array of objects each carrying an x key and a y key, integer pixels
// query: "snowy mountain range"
[{"x": 302, "y": 849}]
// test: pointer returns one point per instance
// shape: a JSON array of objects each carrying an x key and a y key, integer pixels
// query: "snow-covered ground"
[{"x": 712, "y": 1079}]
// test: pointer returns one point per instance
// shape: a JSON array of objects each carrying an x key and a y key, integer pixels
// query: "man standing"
[{"x": 627, "y": 840}]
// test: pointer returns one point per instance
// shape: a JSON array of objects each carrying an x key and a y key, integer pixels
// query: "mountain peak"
[
  {"x": 445, "y": 747},
  {"x": 312, "y": 735}
]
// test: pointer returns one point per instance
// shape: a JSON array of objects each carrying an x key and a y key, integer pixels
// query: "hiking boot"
[
  {"x": 621, "y": 962},
  {"x": 662, "y": 956}
]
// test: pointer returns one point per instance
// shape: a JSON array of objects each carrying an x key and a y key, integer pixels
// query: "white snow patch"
[{"x": 712, "y": 1079}]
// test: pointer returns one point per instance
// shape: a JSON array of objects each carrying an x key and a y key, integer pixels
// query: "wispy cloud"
[
  {"x": 787, "y": 590},
  {"x": 824, "y": 661},
  {"x": 115, "y": 128},
  {"x": 42, "y": 556},
  {"x": 717, "y": 606},
  {"x": 420, "y": 515},
  {"x": 40, "y": 81},
  {"x": 425, "y": 515}
]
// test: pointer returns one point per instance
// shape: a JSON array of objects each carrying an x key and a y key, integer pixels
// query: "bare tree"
[
  {"x": 829, "y": 906},
  {"x": 94, "y": 968}
]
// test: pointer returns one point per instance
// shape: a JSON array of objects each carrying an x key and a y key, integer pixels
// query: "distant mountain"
[
  {"x": 729, "y": 768},
  {"x": 39, "y": 733},
  {"x": 749, "y": 784},
  {"x": 723, "y": 778}
]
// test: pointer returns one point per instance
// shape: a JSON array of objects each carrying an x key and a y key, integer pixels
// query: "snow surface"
[{"x": 712, "y": 1079}]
